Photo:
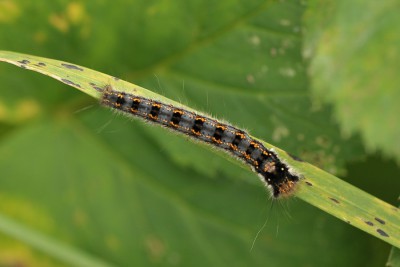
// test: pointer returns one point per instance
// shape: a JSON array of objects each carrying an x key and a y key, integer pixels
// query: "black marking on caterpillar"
[{"x": 278, "y": 176}]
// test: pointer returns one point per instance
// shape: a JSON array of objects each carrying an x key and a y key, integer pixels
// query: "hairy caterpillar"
[{"x": 278, "y": 177}]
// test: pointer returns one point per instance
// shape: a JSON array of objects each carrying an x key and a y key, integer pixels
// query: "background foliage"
[
  {"x": 360, "y": 50},
  {"x": 125, "y": 193}
]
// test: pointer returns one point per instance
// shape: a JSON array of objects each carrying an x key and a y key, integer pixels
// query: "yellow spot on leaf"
[
  {"x": 287, "y": 72},
  {"x": 112, "y": 242},
  {"x": 16, "y": 253},
  {"x": 22, "y": 111},
  {"x": 80, "y": 217},
  {"x": 3, "y": 112},
  {"x": 279, "y": 133},
  {"x": 59, "y": 22},
  {"x": 255, "y": 40},
  {"x": 40, "y": 37},
  {"x": 73, "y": 15},
  {"x": 250, "y": 79},
  {"x": 26, "y": 109},
  {"x": 285, "y": 22},
  {"x": 155, "y": 247},
  {"x": 9, "y": 11},
  {"x": 76, "y": 12},
  {"x": 26, "y": 211}
]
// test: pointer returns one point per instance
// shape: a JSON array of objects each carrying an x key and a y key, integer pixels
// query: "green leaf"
[
  {"x": 47, "y": 245},
  {"x": 317, "y": 187},
  {"x": 354, "y": 49},
  {"x": 394, "y": 259},
  {"x": 131, "y": 194}
]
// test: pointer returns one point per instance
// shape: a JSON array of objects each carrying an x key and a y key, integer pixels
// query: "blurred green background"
[{"x": 129, "y": 194}]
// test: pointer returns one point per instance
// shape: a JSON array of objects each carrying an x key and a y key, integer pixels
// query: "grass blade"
[
  {"x": 48, "y": 245},
  {"x": 318, "y": 188}
]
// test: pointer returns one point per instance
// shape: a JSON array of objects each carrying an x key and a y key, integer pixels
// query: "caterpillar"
[{"x": 276, "y": 175}]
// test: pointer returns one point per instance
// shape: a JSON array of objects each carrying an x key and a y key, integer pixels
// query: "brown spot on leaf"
[
  {"x": 382, "y": 233},
  {"x": 24, "y": 61},
  {"x": 71, "y": 67},
  {"x": 70, "y": 83},
  {"x": 95, "y": 87},
  {"x": 334, "y": 200},
  {"x": 369, "y": 223}
]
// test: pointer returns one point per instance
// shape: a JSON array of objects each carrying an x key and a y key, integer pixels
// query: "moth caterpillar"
[{"x": 272, "y": 171}]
